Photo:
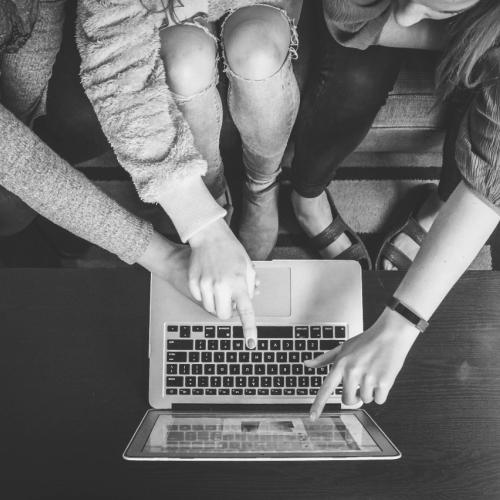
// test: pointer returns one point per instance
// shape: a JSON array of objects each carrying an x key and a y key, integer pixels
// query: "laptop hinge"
[{"x": 271, "y": 408}]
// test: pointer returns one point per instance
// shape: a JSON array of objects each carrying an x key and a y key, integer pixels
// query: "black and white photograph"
[{"x": 250, "y": 249}]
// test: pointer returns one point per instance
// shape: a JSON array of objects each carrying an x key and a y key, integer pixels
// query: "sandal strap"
[
  {"x": 415, "y": 231},
  {"x": 328, "y": 235},
  {"x": 354, "y": 252},
  {"x": 396, "y": 257}
]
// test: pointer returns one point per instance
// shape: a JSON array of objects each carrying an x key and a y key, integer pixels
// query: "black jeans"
[{"x": 346, "y": 89}]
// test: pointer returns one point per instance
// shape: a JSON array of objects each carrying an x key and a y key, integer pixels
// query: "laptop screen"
[{"x": 170, "y": 435}]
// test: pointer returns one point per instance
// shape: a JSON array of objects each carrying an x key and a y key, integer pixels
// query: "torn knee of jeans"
[{"x": 256, "y": 58}]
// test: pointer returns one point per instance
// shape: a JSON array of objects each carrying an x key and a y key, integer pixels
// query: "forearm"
[
  {"x": 426, "y": 35},
  {"x": 462, "y": 227}
]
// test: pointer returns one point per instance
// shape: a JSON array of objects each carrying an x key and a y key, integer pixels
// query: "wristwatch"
[{"x": 410, "y": 316}]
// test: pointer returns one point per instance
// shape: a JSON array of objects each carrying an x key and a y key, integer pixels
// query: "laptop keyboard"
[{"x": 212, "y": 360}]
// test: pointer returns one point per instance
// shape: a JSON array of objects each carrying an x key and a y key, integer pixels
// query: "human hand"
[
  {"x": 370, "y": 361},
  {"x": 220, "y": 274}
]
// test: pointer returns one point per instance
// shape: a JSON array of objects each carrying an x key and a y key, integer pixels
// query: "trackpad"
[{"x": 274, "y": 298}]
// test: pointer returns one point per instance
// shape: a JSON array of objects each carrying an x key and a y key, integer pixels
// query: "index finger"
[
  {"x": 245, "y": 310},
  {"x": 332, "y": 380}
]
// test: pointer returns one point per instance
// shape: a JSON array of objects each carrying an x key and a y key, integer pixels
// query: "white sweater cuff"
[{"x": 190, "y": 206}]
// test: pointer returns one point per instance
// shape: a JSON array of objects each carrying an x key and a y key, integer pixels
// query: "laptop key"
[
  {"x": 206, "y": 357},
  {"x": 223, "y": 392},
  {"x": 300, "y": 345},
  {"x": 288, "y": 345},
  {"x": 225, "y": 345},
  {"x": 274, "y": 332},
  {"x": 172, "y": 369},
  {"x": 266, "y": 381},
  {"x": 194, "y": 357},
  {"x": 197, "y": 369},
  {"x": 253, "y": 381},
  {"x": 215, "y": 381},
  {"x": 200, "y": 345},
  {"x": 179, "y": 345},
  {"x": 223, "y": 332},
  {"x": 218, "y": 357},
  {"x": 303, "y": 381},
  {"x": 316, "y": 381},
  {"x": 221, "y": 369},
  {"x": 247, "y": 369},
  {"x": 202, "y": 381},
  {"x": 234, "y": 369},
  {"x": 328, "y": 332},
  {"x": 211, "y": 392},
  {"x": 313, "y": 392},
  {"x": 209, "y": 332},
  {"x": 278, "y": 381},
  {"x": 326, "y": 345},
  {"x": 260, "y": 369},
  {"x": 272, "y": 369},
  {"x": 315, "y": 332},
  {"x": 184, "y": 392},
  {"x": 294, "y": 357},
  {"x": 237, "y": 332},
  {"x": 256, "y": 357},
  {"x": 190, "y": 381},
  {"x": 305, "y": 355},
  {"x": 197, "y": 328},
  {"x": 228, "y": 381},
  {"x": 244, "y": 357},
  {"x": 297, "y": 369},
  {"x": 261, "y": 392},
  {"x": 169, "y": 391},
  {"x": 241, "y": 381},
  {"x": 185, "y": 331},
  {"x": 291, "y": 381},
  {"x": 276, "y": 392},
  {"x": 184, "y": 369},
  {"x": 237, "y": 345},
  {"x": 275, "y": 345},
  {"x": 289, "y": 392},
  {"x": 262, "y": 345},
  {"x": 172, "y": 328},
  {"x": 281, "y": 357},
  {"x": 301, "y": 332},
  {"x": 177, "y": 357},
  {"x": 197, "y": 392},
  {"x": 269, "y": 357},
  {"x": 340, "y": 332},
  {"x": 302, "y": 392},
  {"x": 250, "y": 392},
  {"x": 231, "y": 357},
  {"x": 285, "y": 369},
  {"x": 209, "y": 369},
  {"x": 213, "y": 345},
  {"x": 312, "y": 345},
  {"x": 237, "y": 392},
  {"x": 323, "y": 370}
]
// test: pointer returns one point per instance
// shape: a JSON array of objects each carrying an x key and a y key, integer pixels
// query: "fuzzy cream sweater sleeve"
[{"x": 124, "y": 78}]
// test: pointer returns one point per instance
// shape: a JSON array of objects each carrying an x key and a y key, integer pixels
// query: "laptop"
[{"x": 213, "y": 399}]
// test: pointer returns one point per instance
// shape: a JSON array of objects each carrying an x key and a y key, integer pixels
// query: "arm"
[
  {"x": 426, "y": 35},
  {"x": 124, "y": 77},
  {"x": 373, "y": 360}
]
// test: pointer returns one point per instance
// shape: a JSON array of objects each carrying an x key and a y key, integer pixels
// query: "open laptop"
[{"x": 216, "y": 400}]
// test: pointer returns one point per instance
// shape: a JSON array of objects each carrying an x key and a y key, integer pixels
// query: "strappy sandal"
[
  {"x": 357, "y": 251},
  {"x": 411, "y": 228}
]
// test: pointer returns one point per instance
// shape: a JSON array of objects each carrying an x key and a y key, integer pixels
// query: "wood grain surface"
[{"x": 74, "y": 379}]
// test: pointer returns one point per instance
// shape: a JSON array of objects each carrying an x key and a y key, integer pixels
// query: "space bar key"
[{"x": 274, "y": 332}]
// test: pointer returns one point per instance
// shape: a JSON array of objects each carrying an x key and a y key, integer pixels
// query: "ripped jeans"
[{"x": 263, "y": 107}]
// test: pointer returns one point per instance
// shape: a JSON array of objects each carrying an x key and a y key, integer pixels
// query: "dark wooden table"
[{"x": 74, "y": 382}]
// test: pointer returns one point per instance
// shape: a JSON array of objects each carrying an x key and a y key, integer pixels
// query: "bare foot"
[
  {"x": 425, "y": 217},
  {"x": 314, "y": 216}
]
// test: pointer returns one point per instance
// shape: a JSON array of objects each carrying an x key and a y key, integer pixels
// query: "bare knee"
[
  {"x": 256, "y": 41},
  {"x": 189, "y": 56}
]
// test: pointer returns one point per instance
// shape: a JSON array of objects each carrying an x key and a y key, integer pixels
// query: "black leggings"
[{"x": 346, "y": 89}]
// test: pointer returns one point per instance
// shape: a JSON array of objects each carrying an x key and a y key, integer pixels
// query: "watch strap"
[{"x": 410, "y": 316}]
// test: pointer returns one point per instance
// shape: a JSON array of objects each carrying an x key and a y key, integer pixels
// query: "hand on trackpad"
[{"x": 274, "y": 298}]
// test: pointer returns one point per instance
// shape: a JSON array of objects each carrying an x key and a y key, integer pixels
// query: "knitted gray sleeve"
[{"x": 32, "y": 171}]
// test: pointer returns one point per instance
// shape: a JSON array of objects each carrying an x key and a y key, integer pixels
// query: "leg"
[
  {"x": 345, "y": 92},
  {"x": 190, "y": 58},
  {"x": 263, "y": 100}
]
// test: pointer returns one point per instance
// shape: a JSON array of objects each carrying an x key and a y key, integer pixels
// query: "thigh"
[{"x": 26, "y": 73}]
